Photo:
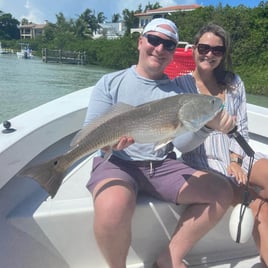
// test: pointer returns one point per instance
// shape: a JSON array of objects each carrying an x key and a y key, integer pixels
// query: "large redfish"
[{"x": 157, "y": 122}]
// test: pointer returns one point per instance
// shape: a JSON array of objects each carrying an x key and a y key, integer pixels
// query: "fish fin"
[
  {"x": 191, "y": 126},
  {"x": 162, "y": 143},
  {"x": 49, "y": 175},
  {"x": 115, "y": 110}
]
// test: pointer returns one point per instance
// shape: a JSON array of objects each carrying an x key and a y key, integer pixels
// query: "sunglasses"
[
  {"x": 156, "y": 41},
  {"x": 217, "y": 51}
]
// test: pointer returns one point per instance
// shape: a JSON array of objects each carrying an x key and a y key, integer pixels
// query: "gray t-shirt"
[{"x": 126, "y": 86}]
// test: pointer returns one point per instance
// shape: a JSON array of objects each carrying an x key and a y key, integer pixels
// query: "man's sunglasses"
[
  {"x": 217, "y": 51},
  {"x": 156, "y": 41}
]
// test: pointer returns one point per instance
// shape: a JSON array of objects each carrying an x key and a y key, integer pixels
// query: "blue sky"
[{"x": 37, "y": 11}]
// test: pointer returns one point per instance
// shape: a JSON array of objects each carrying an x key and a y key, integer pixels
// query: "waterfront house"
[
  {"x": 150, "y": 14},
  {"x": 32, "y": 30},
  {"x": 110, "y": 30}
]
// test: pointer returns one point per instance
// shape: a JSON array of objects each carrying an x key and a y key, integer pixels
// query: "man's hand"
[
  {"x": 222, "y": 122},
  {"x": 123, "y": 143}
]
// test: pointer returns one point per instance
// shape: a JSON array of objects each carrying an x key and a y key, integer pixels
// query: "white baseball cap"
[{"x": 155, "y": 26}]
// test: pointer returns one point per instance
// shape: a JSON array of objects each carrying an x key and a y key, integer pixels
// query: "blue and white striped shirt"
[{"x": 214, "y": 153}]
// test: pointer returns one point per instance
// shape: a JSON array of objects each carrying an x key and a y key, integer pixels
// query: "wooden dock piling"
[{"x": 63, "y": 56}]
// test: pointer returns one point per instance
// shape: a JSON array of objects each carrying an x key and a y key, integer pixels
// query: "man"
[{"x": 116, "y": 182}]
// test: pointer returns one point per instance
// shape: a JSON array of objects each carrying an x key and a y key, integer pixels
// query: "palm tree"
[{"x": 116, "y": 17}]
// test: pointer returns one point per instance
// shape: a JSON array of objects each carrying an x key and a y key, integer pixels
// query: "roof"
[
  {"x": 170, "y": 9},
  {"x": 33, "y": 25}
]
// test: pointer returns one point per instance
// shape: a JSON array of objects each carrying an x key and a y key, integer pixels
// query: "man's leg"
[{"x": 114, "y": 208}]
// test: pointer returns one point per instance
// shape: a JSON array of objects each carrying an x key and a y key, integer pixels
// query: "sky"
[{"x": 37, "y": 11}]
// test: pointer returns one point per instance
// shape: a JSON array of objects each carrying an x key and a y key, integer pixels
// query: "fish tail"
[{"x": 49, "y": 175}]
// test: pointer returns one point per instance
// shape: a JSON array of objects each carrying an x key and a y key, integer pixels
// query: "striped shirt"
[{"x": 214, "y": 153}]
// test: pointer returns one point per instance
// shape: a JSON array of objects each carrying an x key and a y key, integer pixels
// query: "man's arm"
[{"x": 187, "y": 142}]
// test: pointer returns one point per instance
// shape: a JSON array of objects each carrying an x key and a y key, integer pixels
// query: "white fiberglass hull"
[{"x": 37, "y": 231}]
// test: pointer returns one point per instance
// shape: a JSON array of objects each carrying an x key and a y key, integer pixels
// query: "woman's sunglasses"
[
  {"x": 156, "y": 41},
  {"x": 217, "y": 51}
]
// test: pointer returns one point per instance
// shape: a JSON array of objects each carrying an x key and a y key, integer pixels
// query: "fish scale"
[{"x": 156, "y": 122}]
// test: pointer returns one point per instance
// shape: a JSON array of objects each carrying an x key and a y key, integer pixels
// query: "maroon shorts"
[{"x": 160, "y": 179}]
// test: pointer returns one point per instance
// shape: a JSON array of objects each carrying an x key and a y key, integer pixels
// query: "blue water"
[{"x": 25, "y": 84}]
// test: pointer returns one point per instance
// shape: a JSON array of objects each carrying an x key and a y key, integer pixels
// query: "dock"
[{"x": 63, "y": 56}]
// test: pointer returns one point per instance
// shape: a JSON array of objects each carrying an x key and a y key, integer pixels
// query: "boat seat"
[{"x": 54, "y": 223}]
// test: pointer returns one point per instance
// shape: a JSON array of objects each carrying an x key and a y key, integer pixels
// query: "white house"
[
  {"x": 147, "y": 16},
  {"x": 110, "y": 30}
]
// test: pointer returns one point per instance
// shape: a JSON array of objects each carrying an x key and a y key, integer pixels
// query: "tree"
[
  {"x": 50, "y": 33},
  {"x": 100, "y": 17},
  {"x": 116, "y": 17},
  {"x": 150, "y": 6},
  {"x": 81, "y": 28},
  {"x": 130, "y": 20},
  {"x": 24, "y": 21},
  {"x": 8, "y": 27},
  {"x": 62, "y": 24},
  {"x": 91, "y": 20}
]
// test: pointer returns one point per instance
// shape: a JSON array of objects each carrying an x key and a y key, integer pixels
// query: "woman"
[{"x": 213, "y": 76}]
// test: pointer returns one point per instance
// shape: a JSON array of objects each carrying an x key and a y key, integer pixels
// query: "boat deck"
[{"x": 37, "y": 231}]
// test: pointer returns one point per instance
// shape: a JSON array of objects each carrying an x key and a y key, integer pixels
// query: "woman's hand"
[
  {"x": 222, "y": 122},
  {"x": 234, "y": 169}
]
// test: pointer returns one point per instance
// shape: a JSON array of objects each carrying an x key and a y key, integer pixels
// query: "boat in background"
[
  {"x": 25, "y": 51},
  {"x": 38, "y": 231}
]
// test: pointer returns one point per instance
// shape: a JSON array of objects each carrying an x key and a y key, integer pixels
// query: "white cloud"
[
  {"x": 27, "y": 4},
  {"x": 32, "y": 13}
]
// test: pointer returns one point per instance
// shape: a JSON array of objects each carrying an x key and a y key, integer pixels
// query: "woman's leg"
[
  {"x": 209, "y": 196},
  {"x": 259, "y": 206}
]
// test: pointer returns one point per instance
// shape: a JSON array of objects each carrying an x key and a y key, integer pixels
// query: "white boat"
[
  {"x": 37, "y": 231},
  {"x": 25, "y": 52}
]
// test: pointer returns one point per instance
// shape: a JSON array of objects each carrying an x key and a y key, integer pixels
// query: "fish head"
[{"x": 197, "y": 109}]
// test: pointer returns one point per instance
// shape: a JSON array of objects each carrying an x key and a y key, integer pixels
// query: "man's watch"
[{"x": 237, "y": 160}]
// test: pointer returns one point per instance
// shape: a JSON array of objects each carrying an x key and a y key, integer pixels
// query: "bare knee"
[
  {"x": 260, "y": 209},
  {"x": 114, "y": 205},
  {"x": 259, "y": 176},
  {"x": 218, "y": 189},
  {"x": 207, "y": 188}
]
